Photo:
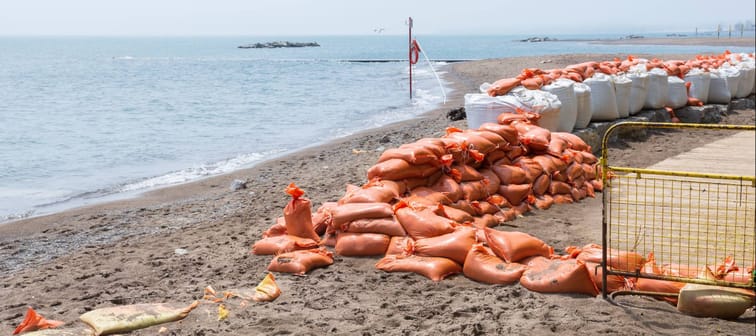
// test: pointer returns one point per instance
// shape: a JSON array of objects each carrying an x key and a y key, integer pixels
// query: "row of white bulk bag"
[
  {"x": 482, "y": 108},
  {"x": 677, "y": 93},
  {"x": 622, "y": 90},
  {"x": 584, "y": 109},
  {"x": 603, "y": 98},
  {"x": 656, "y": 97},
  {"x": 719, "y": 91},
  {"x": 564, "y": 90},
  {"x": 639, "y": 90},
  {"x": 699, "y": 84},
  {"x": 733, "y": 77},
  {"x": 748, "y": 75}
]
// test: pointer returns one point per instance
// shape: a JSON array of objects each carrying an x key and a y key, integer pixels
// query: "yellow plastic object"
[{"x": 714, "y": 301}]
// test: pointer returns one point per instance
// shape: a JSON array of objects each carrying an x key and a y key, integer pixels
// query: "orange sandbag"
[
  {"x": 541, "y": 184},
  {"x": 375, "y": 191},
  {"x": 298, "y": 215},
  {"x": 502, "y": 86},
  {"x": 534, "y": 137},
  {"x": 515, "y": 193},
  {"x": 514, "y": 152},
  {"x": 621, "y": 260},
  {"x": 486, "y": 220},
  {"x": 515, "y": 246},
  {"x": 559, "y": 188},
  {"x": 574, "y": 142},
  {"x": 33, "y": 321},
  {"x": 544, "y": 202},
  {"x": 361, "y": 244},
  {"x": 277, "y": 229},
  {"x": 454, "y": 214},
  {"x": 563, "y": 199},
  {"x": 613, "y": 282},
  {"x": 398, "y": 169},
  {"x": 454, "y": 245},
  {"x": 301, "y": 262},
  {"x": 484, "y": 208},
  {"x": 431, "y": 195},
  {"x": 532, "y": 168},
  {"x": 597, "y": 184},
  {"x": 421, "y": 224},
  {"x": 283, "y": 243},
  {"x": 467, "y": 173},
  {"x": 400, "y": 245},
  {"x": 434, "y": 268},
  {"x": 346, "y": 213},
  {"x": 475, "y": 190},
  {"x": 417, "y": 154},
  {"x": 388, "y": 226},
  {"x": 482, "y": 265},
  {"x": 493, "y": 180},
  {"x": 509, "y": 174},
  {"x": 558, "y": 276},
  {"x": 447, "y": 185},
  {"x": 506, "y": 132}
]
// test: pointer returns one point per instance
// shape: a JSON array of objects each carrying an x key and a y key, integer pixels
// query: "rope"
[{"x": 433, "y": 70}]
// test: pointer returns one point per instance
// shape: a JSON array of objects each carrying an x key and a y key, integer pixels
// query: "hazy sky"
[{"x": 354, "y": 17}]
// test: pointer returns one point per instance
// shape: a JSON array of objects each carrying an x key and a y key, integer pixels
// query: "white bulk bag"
[
  {"x": 541, "y": 102},
  {"x": 482, "y": 108},
  {"x": 747, "y": 77},
  {"x": 657, "y": 89},
  {"x": 603, "y": 98},
  {"x": 638, "y": 91},
  {"x": 622, "y": 88},
  {"x": 719, "y": 92},
  {"x": 584, "y": 112},
  {"x": 564, "y": 90},
  {"x": 733, "y": 77},
  {"x": 677, "y": 93},
  {"x": 699, "y": 84}
]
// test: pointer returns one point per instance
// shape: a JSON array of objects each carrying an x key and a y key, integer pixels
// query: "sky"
[{"x": 355, "y": 17}]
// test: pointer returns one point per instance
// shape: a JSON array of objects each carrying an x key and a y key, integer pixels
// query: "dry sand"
[{"x": 124, "y": 252}]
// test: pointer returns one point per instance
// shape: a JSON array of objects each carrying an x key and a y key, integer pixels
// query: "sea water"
[{"x": 83, "y": 119}]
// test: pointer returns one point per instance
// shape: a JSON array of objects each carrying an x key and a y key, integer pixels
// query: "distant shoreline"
[{"x": 700, "y": 41}]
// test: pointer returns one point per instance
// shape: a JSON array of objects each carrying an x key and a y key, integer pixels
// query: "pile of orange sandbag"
[{"x": 429, "y": 205}]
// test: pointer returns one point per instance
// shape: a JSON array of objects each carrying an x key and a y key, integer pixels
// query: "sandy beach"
[{"x": 124, "y": 252}]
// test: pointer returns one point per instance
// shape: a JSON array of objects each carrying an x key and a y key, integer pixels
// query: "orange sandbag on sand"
[
  {"x": 361, "y": 244},
  {"x": 301, "y": 262},
  {"x": 346, "y": 213},
  {"x": 558, "y": 276},
  {"x": 434, "y": 268},
  {"x": 422, "y": 223},
  {"x": 388, "y": 226},
  {"x": 482, "y": 265},
  {"x": 453, "y": 245},
  {"x": 374, "y": 191},
  {"x": 298, "y": 215},
  {"x": 515, "y": 246},
  {"x": 398, "y": 169},
  {"x": 281, "y": 244},
  {"x": 621, "y": 260}
]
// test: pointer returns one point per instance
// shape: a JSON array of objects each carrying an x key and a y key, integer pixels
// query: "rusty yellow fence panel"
[{"x": 688, "y": 220}]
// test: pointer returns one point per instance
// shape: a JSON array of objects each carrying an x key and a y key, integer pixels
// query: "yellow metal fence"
[{"x": 688, "y": 220}]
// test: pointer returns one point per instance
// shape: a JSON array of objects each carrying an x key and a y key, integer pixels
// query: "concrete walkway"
[{"x": 734, "y": 155}]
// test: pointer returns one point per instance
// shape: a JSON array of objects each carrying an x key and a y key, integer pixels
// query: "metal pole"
[{"x": 409, "y": 57}]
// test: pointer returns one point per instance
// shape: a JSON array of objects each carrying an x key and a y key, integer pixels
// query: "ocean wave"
[{"x": 198, "y": 172}]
